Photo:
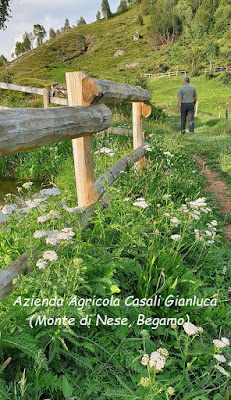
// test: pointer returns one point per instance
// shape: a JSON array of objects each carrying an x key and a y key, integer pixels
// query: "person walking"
[{"x": 187, "y": 97}]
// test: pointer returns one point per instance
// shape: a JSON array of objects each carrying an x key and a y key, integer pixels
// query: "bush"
[
  {"x": 140, "y": 20},
  {"x": 225, "y": 78}
]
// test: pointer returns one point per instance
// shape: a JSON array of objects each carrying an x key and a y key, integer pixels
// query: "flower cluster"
[
  {"x": 156, "y": 360},
  {"x": 73, "y": 209},
  {"x": 26, "y": 185},
  {"x": 52, "y": 214},
  {"x": 105, "y": 150},
  {"x": 192, "y": 329},
  {"x": 8, "y": 209},
  {"x": 140, "y": 202},
  {"x": 55, "y": 237},
  {"x": 49, "y": 192},
  {"x": 49, "y": 255},
  {"x": 220, "y": 344}
]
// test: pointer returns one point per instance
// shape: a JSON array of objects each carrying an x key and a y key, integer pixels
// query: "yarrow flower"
[
  {"x": 73, "y": 209},
  {"x": 175, "y": 221},
  {"x": 163, "y": 352},
  {"x": 50, "y": 255},
  {"x": 219, "y": 357},
  {"x": 170, "y": 391},
  {"x": 220, "y": 344},
  {"x": 145, "y": 382},
  {"x": 222, "y": 370},
  {"x": 50, "y": 192},
  {"x": 175, "y": 237},
  {"x": 145, "y": 359},
  {"x": 41, "y": 263},
  {"x": 190, "y": 328},
  {"x": 52, "y": 214},
  {"x": 140, "y": 202},
  {"x": 157, "y": 361},
  {"x": 198, "y": 203},
  {"x": 55, "y": 237}
]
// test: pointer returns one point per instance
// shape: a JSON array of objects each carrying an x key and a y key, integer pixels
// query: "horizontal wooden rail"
[
  {"x": 96, "y": 91},
  {"x": 111, "y": 175},
  {"x": 164, "y": 74},
  {"x": 18, "y": 88},
  {"x": 25, "y": 129},
  {"x": 120, "y": 131},
  {"x": 59, "y": 100}
]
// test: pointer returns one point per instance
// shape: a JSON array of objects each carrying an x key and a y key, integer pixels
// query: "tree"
[
  {"x": 66, "y": 25},
  {"x": 165, "y": 25},
  {"x": 3, "y": 60},
  {"x": 19, "y": 49},
  {"x": 211, "y": 50},
  {"x": 122, "y": 7},
  {"x": 98, "y": 16},
  {"x": 81, "y": 21},
  {"x": 140, "y": 20},
  {"x": 52, "y": 33},
  {"x": 4, "y": 12},
  {"x": 26, "y": 41},
  {"x": 106, "y": 9},
  {"x": 39, "y": 33}
]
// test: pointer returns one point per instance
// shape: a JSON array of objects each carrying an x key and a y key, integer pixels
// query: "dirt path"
[{"x": 218, "y": 188}]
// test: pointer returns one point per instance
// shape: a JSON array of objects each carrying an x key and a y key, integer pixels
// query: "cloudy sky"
[{"x": 49, "y": 13}]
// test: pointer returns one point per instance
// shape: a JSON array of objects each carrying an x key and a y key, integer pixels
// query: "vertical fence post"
[
  {"x": 137, "y": 128},
  {"x": 46, "y": 98},
  {"x": 83, "y": 146},
  {"x": 219, "y": 114},
  {"x": 196, "y": 111},
  {"x": 227, "y": 111}
]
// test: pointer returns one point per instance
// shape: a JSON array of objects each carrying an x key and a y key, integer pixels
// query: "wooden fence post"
[
  {"x": 227, "y": 111},
  {"x": 196, "y": 111},
  {"x": 46, "y": 98},
  {"x": 82, "y": 147},
  {"x": 137, "y": 128}
]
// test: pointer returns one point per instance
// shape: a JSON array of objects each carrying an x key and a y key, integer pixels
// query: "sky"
[{"x": 49, "y": 13}]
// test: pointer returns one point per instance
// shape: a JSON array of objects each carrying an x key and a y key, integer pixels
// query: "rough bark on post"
[
  {"x": 82, "y": 147},
  {"x": 96, "y": 91},
  {"x": 137, "y": 128},
  {"x": 46, "y": 98},
  {"x": 23, "y": 129}
]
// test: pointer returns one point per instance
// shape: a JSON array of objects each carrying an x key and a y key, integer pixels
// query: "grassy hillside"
[{"x": 88, "y": 47}]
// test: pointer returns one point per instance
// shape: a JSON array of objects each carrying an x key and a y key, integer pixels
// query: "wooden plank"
[
  {"x": 110, "y": 176},
  {"x": 25, "y": 129},
  {"x": 18, "y": 88},
  {"x": 196, "y": 111},
  {"x": 137, "y": 128},
  {"x": 82, "y": 147},
  {"x": 120, "y": 131},
  {"x": 146, "y": 110},
  {"x": 60, "y": 101},
  {"x": 96, "y": 91},
  {"x": 46, "y": 98},
  {"x": 227, "y": 111}
]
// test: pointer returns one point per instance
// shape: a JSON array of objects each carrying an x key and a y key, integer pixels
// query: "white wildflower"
[
  {"x": 204, "y": 210},
  {"x": 208, "y": 233},
  {"x": 157, "y": 361},
  {"x": 222, "y": 370},
  {"x": 73, "y": 209},
  {"x": 41, "y": 264},
  {"x": 147, "y": 147},
  {"x": 214, "y": 222},
  {"x": 226, "y": 341},
  {"x": 140, "y": 202},
  {"x": 198, "y": 203},
  {"x": 26, "y": 185},
  {"x": 190, "y": 328},
  {"x": 224, "y": 270},
  {"x": 50, "y": 192},
  {"x": 145, "y": 359},
  {"x": 163, "y": 352},
  {"x": 145, "y": 382},
  {"x": 9, "y": 209},
  {"x": 196, "y": 212},
  {"x": 166, "y": 196},
  {"x": 195, "y": 217},
  {"x": 34, "y": 203},
  {"x": 229, "y": 364},
  {"x": 200, "y": 329},
  {"x": 220, "y": 358},
  {"x": 219, "y": 344},
  {"x": 50, "y": 255},
  {"x": 40, "y": 234},
  {"x": 166, "y": 214},
  {"x": 210, "y": 242},
  {"x": 175, "y": 221},
  {"x": 43, "y": 218},
  {"x": 175, "y": 237},
  {"x": 127, "y": 199},
  {"x": 167, "y": 153}
]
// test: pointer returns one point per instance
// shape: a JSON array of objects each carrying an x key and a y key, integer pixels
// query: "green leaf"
[
  {"x": 114, "y": 289},
  {"x": 66, "y": 387}
]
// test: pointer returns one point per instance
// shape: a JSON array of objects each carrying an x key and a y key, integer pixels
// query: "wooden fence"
[
  {"x": 25, "y": 129},
  {"x": 164, "y": 74},
  {"x": 48, "y": 95}
]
